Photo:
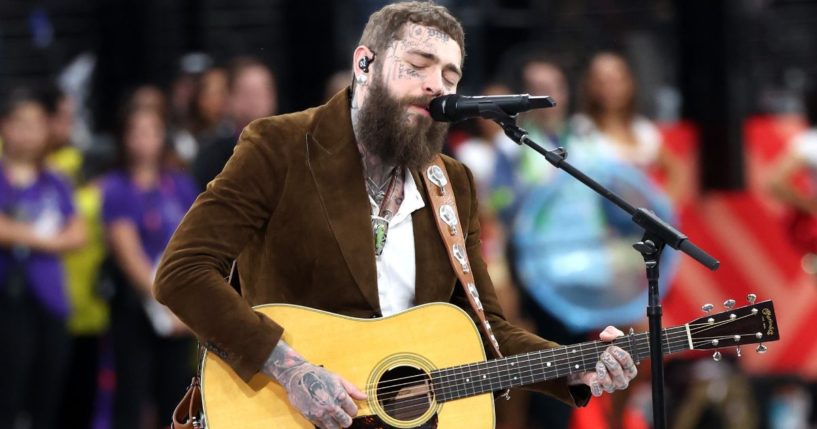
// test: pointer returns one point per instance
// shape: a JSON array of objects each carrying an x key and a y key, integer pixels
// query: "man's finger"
[
  {"x": 610, "y": 333},
  {"x": 595, "y": 387},
  {"x": 614, "y": 369},
  {"x": 626, "y": 362},
  {"x": 353, "y": 391},
  {"x": 328, "y": 423},
  {"x": 343, "y": 419},
  {"x": 604, "y": 380},
  {"x": 347, "y": 404}
]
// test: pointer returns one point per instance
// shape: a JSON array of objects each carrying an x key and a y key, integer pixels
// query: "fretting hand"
[
  {"x": 614, "y": 370},
  {"x": 324, "y": 398}
]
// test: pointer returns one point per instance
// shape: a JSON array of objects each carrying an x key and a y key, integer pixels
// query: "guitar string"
[
  {"x": 405, "y": 404},
  {"x": 533, "y": 371},
  {"x": 559, "y": 353},
  {"x": 680, "y": 339},
  {"x": 499, "y": 368},
  {"x": 682, "y": 334},
  {"x": 424, "y": 402},
  {"x": 677, "y": 339}
]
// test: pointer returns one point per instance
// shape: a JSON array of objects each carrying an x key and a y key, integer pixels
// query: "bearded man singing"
[{"x": 327, "y": 209}]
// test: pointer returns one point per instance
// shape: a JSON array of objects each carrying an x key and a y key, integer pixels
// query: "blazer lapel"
[{"x": 336, "y": 167}]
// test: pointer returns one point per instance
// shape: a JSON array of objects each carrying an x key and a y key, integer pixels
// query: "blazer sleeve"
[
  {"x": 190, "y": 279},
  {"x": 512, "y": 340}
]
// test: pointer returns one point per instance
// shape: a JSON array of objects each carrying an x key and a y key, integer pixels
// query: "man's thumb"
[{"x": 353, "y": 391}]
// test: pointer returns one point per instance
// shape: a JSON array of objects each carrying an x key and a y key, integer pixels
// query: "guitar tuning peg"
[
  {"x": 716, "y": 356},
  {"x": 729, "y": 303},
  {"x": 738, "y": 351},
  {"x": 751, "y": 298},
  {"x": 761, "y": 349},
  {"x": 707, "y": 308}
]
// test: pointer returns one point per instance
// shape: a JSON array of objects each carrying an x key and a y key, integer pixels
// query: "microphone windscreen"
[{"x": 438, "y": 106}]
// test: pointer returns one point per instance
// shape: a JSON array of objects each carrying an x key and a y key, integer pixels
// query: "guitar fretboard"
[{"x": 534, "y": 367}]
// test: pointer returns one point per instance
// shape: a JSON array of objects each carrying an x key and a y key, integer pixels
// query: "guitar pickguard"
[{"x": 374, "y": 422}]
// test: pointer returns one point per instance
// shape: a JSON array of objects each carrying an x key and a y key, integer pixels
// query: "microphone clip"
[
  {"x": 506, "y": 121},
  {"x": 517, "y": 134}
]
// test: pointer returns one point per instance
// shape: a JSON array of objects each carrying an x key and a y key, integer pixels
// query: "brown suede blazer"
[{"x": 291, "y": 205}]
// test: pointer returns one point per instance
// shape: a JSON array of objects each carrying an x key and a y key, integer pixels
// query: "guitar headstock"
[{"x": 751, "y": 324}]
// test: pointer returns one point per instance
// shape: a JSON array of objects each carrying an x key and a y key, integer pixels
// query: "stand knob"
[
  {"x": 729, "y": 303},
  {"x": 716, "y": 356},
  {"x": 751, "y": 298},
  {"x": 761, "y": 349}
]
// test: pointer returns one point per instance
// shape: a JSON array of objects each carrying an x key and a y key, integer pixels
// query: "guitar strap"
[{"x": 441, "y": 195}]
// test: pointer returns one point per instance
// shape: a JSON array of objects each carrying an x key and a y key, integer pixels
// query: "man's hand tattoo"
[{"x": 315, "y": 392}]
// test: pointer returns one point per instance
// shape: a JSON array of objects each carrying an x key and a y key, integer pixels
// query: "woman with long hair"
[
  {"x": 143, "y": 202},
  {"x": 609, "y": 118}
]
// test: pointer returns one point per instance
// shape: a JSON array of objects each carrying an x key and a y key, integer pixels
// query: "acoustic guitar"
[{"x": 426, "y": 367}]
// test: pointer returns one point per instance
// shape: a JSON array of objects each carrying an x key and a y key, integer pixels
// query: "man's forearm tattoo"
[{"x": 282, "y": 359}]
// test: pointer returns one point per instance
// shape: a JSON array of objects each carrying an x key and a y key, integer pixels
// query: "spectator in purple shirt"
[
  {"x": 143, "y": 202},
  {"x": 37, "y": 223}
]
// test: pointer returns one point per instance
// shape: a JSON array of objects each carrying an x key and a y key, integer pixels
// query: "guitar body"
[
  {"x": 370, "y": 353},
  {"x": 393, "y": 360}
]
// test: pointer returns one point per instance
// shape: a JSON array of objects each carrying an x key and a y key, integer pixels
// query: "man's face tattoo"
[{"x": 396, "y": 136}]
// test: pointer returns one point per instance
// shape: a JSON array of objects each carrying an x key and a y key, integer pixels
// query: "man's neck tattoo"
[{"x": 378, "y": 174}]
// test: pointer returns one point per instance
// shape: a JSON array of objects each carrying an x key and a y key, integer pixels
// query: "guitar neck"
[{"x": 534, "y": 367}]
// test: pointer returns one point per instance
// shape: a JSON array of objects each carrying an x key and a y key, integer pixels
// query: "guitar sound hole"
[{"x": 405, "y": 393}]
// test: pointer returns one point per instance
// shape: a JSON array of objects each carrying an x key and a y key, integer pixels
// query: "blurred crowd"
[
  {"x": 546, "y": 236},
  {"x": 83, "y": 225}
]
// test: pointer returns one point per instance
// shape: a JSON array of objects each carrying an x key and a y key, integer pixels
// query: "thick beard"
[{"x": 388, "y": 131}]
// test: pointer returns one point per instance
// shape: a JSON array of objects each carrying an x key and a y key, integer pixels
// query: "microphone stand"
[{"x": 657, "y": 235}]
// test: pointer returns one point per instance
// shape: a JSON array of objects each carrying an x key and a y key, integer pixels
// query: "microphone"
[{"x": 455, "y": 108}]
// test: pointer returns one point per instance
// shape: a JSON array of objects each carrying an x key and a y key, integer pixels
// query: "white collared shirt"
[{"x": 396, "y": 265}]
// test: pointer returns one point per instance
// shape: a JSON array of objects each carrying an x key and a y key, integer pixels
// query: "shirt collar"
[{"x": 412, "y": 200}]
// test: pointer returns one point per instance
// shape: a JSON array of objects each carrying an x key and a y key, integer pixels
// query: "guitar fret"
[
  {"x": 478, "y": 379},
  {"x": 571, "y": 358},
  {"x": 468, "y": 378},
  {"x": 534, "y": 361},
  {"x": 581, "y": 354},
  {"x": 510, "y": 377},
  {"x": 440, "y": 389},
  {"x": 504, "y": 369},
  {"x": 552, "y": 362},
  {"x": 444, "y": 389},
  {"x": 644, "y": 341},
  {"x": 495, "y": 368},
  {"x": 598, "y": 352},
  {"x": 487, "y": 382},
  {"x": 457, "y": 390},
  {"x": 522, "y": 374},
  {"x": 469, "y": 381}
]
